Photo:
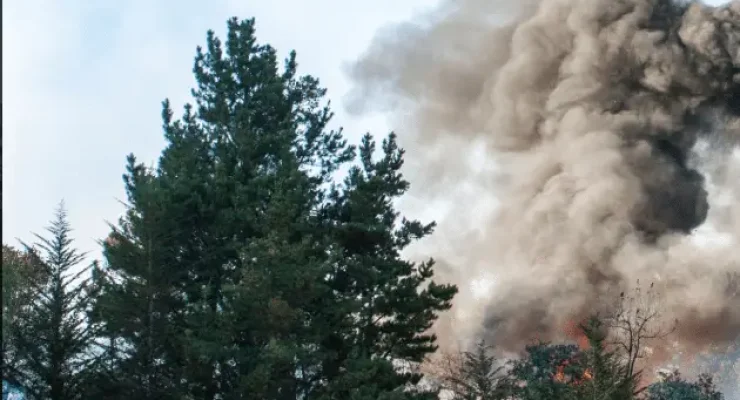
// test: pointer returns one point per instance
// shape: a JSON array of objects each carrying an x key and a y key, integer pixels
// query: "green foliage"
[
  {"x": 565, "y": 372},
  {"x": 674, "y": 387},
  {"x": 50, "y": 336},
  {"x": 241, "y": 270},
  {"x": 379, "y": 307},
  {"x": 137, "y": 308},
  {"x": 547, "y": 372},
  {"x": 475, "y": 375},
  {"x": 13, "y": 285},
  {"x": 609, "y": 378},
  {"x": 485, "y": 380},
  {"x": 19, "y": 278}
]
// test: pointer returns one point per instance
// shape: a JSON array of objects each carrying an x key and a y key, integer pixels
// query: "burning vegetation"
[{"x": 611, "y": 126}]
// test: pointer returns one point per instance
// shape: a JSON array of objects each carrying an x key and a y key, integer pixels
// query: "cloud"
[{"x": 83, "y": 82}]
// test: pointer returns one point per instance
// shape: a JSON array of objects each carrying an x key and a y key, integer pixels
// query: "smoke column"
[{"x": 604, "y": 130}]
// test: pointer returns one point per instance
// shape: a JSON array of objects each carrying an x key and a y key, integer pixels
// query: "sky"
[{"x": 83, "y": 83}]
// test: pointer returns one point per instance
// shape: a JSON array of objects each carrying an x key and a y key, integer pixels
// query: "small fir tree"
[{"x": 52, "y": 338}]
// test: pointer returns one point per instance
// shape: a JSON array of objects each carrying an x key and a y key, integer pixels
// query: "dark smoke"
[{"x": 612, "y": 126}]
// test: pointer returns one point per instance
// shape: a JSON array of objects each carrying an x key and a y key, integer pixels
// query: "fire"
[
  {"x": 562, "y": 378},
  {"x": 573, "y": 331},
  {"x": 559, "y": 375}
]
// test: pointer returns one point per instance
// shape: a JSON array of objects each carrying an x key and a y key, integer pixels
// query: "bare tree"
[{"x": 634, "y": 324}]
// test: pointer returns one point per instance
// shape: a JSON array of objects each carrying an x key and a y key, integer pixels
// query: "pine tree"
[
  {"x": 380, "y": 307},
  {"x": 273, "y": 283},
  {"x": 238, "y": 190},
  {"x": 139, "y": 308},
  {"x": 53, "y": 338},
  {"x": 243, "y": 173}
]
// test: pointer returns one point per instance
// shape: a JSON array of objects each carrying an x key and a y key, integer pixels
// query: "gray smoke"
[{"x": 605, "y": 131}]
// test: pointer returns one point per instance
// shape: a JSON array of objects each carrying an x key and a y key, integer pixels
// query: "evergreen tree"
[
  {"x": 242, "y": 176},
  {"x": 674, "y": 387},
  {"x": 380, "y": 307},
  {"x": 52, "y": 340},
  {"x": 238, "y": 185},
  {"x": 476, "y": 375},
  {"x": 138, "y": 308},
  {"x": 548, "y": 372},
  {"x": 606, "y": 377},
  {"x": 240, "y": 271}
]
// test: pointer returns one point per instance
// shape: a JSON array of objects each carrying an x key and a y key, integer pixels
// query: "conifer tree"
[
  {"x": 238, "y": 182},
  {"x": 474, "y": 375},
  {"x": 380, "y": 306},
  {"x": 242, "y": 176},
  {"x": 606, "y": 376},
  {"x": 139, "y": 307},
  {"x": 52, "y": 339},
  {"x": 547, "y": 371},
  {"x": 240, "y": 271}
]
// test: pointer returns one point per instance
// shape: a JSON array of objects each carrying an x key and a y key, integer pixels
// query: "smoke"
[{"x": 605, "y": 131}]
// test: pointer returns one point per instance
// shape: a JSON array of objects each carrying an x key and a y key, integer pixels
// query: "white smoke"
[{"x": 591, "y": 115}]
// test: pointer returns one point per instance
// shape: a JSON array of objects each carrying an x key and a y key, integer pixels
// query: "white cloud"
[{"x": 83, "y": 82}]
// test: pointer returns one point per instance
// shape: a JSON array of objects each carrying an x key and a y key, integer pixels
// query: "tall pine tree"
[{"x": 241, "y": 271}]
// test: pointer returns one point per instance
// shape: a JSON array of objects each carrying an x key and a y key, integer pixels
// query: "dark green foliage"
[
  {"x": 241, "y": 271},
  {"x": 16, "y": 272},
  {"x": 138, "y": 307},
  {"x": 567, "y": 372},
  {"x": 674, "y": 387},
  {"x": 379, "y": 307},
  {"x": 548, "y": 372},
  {"x": 50, "y": 335},
  {"x": 608, "y": 377},
  {"x": 19, "y": 277}
]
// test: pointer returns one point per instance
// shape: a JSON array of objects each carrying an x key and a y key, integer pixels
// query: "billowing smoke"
[{"x": 605, "y": 131}]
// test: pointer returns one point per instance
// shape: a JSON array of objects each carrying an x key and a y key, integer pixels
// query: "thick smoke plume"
[{"x": 605, "y": 131}]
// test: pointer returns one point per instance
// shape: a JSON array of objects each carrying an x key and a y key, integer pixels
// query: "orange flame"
[
  {"x": 575, "y": 333},
  {"x": 562, "y": 378},
  {"x": 559, "y": 375}
]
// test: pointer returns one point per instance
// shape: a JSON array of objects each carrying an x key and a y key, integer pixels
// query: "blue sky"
[{"x": 83, "y": 82}]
